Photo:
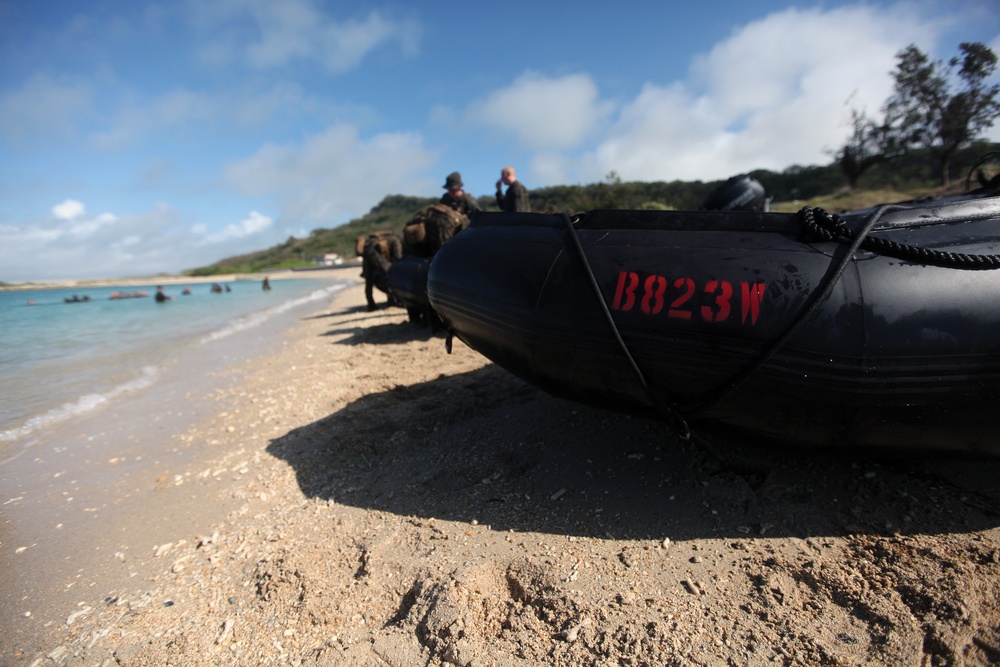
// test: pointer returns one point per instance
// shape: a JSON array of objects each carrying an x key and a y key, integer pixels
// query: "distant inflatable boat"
[
  {"x": 407, "y": 286},
  {"x": 128, "y": 295},
  {"x": 868, "y": 329}
]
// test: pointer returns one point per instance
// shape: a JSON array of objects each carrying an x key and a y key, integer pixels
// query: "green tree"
[
  {"x": 870, "y": 143},
  {"x": 924, "y": 112}
]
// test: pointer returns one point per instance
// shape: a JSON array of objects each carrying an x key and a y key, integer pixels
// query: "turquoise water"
[{"x": 60, "y": 359}]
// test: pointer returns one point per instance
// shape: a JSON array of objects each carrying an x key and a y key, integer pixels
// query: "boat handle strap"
[{"x": 672, "y": 413}]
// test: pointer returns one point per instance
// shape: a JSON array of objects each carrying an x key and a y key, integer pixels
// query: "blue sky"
[{"x": 146, "y": 137}]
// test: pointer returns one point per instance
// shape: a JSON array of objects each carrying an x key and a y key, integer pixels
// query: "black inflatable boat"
[
  {"x": 407, "y": 285},
  {"x": 871, "y": 328}
]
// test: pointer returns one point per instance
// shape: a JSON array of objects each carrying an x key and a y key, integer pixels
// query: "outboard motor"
[{"x": 739, "y": 193}]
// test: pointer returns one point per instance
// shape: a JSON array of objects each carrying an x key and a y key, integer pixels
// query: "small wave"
[
  {"x": 256, "y": 319},
  {"x": 80, "y": 406}
]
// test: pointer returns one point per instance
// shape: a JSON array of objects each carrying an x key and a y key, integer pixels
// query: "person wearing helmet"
[{"x": 456, "y": 197}]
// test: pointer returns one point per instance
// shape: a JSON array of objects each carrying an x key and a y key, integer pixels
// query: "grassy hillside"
[
  {"x": 390, "y": 214},
  {"x": 791, "y": 189}
]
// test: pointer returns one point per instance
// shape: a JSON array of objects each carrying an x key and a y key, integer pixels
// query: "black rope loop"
[{"x": 821, "y": 225}]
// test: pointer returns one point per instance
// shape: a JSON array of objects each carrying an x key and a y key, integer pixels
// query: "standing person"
[
  {"x": 456, "y": 197},
  {"x": 266, "y": 284},
  {"x": 516, "y": 199},
  {"x": 160, "y": 296}
]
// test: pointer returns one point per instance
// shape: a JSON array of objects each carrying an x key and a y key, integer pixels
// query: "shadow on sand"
[
  {"x": 485, "y": 446},
  {"x": 392, "y": 331}
]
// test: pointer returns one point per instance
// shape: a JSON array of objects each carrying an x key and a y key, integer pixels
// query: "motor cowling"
[{"x": 739, "y": 193}]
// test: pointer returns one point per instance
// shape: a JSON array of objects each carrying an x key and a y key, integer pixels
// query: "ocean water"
[{"x": 61, "y": 360}]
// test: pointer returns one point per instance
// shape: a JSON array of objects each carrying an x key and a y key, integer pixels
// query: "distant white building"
[{"x": 328, "y": 259}]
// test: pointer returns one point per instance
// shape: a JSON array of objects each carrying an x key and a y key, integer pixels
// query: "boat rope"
[
  {"x": 673, "y": 415},
  {"x": 821, "y": 225}
]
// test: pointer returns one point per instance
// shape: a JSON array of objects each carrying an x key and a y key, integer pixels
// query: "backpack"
[
  {"x": 387, "y": 242},
  {"x": 429, "y": 229},
  {"x": 378, "y": 253}
]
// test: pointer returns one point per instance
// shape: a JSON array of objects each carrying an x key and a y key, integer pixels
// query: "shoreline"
[
  {"x": 63, "y": 363},
  {"x": 132, "y": 281},
  {"x": 360, "y": 497},
  {"x": 96, "y": 484}
]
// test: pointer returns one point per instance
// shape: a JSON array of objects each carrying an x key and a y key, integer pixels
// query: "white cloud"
[
  {"x": 70, "y": 244},
  {"x": 253, "y": 224},
  {"x": 43, "y": 110},
  {"x": 544, "y": 112},
  {"x": 333, "y": 175},
  {"x": 70, "y": 222},
  {"x": 86, "y": 228},
  {"x": 137, "y": 120},
  {"x": 68, "y": 209},
  {"x": 282, "y": 100},
  {"x": 299, "y": 30},
  {"x": 771, "y": 95},
  {"x": 136, "y": 244},
  {"x": 43, "y": 114}
]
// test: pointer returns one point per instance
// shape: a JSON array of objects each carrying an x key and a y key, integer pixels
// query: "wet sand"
[{"x": 358, "y": 496}]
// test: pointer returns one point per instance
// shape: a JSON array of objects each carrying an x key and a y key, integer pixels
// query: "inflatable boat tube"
[{"x": 873, "y": 328}]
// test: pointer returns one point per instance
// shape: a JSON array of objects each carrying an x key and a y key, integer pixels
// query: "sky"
[{"x": 142, "y": 137}]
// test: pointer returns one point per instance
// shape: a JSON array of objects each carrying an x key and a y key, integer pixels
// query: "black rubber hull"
[
  {"x": 407, "y": 281},
  {"x": 899, "y": 354}
]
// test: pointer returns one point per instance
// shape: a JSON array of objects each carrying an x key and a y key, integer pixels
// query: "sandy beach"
[{"x": 361, "y": 497}]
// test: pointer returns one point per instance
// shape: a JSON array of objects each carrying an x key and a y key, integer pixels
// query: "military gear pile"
[
  {"x": 429, "y": 229},
  {"x": 378, "y": 251}
]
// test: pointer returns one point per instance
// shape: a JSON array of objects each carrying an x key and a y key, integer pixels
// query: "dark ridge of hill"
[{"x": 790, "y": 189}]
